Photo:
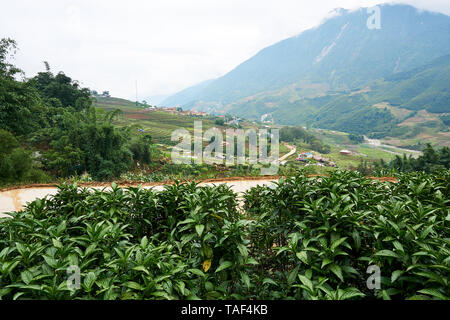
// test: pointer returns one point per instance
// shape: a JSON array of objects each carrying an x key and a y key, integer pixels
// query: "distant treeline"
[
  {"x": 432, "y": 160},
  {"x": 49, "y": 129}
]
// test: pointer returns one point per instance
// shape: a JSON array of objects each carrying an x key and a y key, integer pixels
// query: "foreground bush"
[
  {"x": 305, "y": 238},
  {"x": 326, "y": 232}
]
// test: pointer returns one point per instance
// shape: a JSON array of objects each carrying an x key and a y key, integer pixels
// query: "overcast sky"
[{"x": 165, "y": 45}]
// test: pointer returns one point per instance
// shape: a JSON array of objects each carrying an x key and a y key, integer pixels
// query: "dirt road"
[
  {"x": 16, "y": 199},
  {"x": 287, "y": 155},
  {"x": 385, "y": 147}
]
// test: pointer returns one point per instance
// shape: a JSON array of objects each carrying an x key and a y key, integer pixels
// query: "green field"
[{"x": 159, "y": 124}]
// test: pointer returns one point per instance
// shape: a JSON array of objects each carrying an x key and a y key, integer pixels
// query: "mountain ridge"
[{"x": 340, "y": 54}]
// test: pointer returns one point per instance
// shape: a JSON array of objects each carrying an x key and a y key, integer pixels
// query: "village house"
[{"x": 345, "y": 152}]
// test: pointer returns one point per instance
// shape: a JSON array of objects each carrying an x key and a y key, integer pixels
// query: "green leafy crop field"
[{"x": 306, "y": 238}]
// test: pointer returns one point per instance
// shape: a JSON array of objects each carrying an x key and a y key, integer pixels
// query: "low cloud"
[{"x": 165, "y": 45}]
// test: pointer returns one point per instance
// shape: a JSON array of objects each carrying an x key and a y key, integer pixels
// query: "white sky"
[{"x": 165, "y": 45}]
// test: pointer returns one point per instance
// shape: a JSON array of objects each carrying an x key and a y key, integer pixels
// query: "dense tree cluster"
[
  {"x": 291, "y": 134},
  {"x": 356, "y": 138},
  {"x": 49, "y": 129},
  {"x": 430, "y": 161}
]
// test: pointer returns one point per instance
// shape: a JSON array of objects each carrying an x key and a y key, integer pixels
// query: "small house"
[{"x": 317, "y": 158}]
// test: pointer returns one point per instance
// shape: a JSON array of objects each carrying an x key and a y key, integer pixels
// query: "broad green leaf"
[
  {"x": 357, "y": 239},
  {"x": 337, "y": 271},
  {"x": 51, "y": 261},
  {"x": 325, "y": 262},
  {"x": 18, "y": 294},
  {"x": 269, "y": 281},
  {"x": 395, "y": 275},
  {"x": 246, "y": 279},
  {"x": 26, "y": 276},
  {"x": 387, "y": 253},
  {"x": 141, "y": 268},
  {"x": 199, "y": 228},
  {"x": 57, "y": 243},
  {"x": 224, "y": 265},
  {"x": 89, "y": 280},
  {"x": 303, "y": 256},
  {"x": 385, "y": 295},
  {"x": 133, "y": 285},
  {"x": 197, "y": 272},
  {"x": 189, "y": 220},
  {"x": 306, "y": 282},
  {"x": 207, "y": 251},
  {"x": 144, "y": 242},
  {"x": 435, "y": 293},
  {"x": 398, "y": 246},
  {"x": 337, "y": 243},
  {"x": 209, "y": 286},
  {"x": 351, "y": 293},
  {"x": 292, "y": 275},
  {"x": 419, "y": 297},
  {"x": 243, "y": 250}
]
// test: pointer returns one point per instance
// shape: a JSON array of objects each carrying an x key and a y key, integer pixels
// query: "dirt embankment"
[
  {"x": 15, "y": 198},
  {"x": 127, "y": 183}
]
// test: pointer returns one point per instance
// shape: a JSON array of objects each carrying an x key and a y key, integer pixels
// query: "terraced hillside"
[{"x": 160, "y": 124}]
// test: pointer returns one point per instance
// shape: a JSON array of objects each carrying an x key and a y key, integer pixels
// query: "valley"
[
  {"x": 343, "y": 77},
  {"x": 317, "y": 169}
]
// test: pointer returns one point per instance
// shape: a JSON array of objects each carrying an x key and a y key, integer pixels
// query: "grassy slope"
[{"x": 159, "y": 124}]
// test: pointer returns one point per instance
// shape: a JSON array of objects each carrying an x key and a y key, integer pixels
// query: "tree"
[
  {"x": 16, "y": 163},
  {"x": 20, "y": 105},
  {"x": 356, "y": 138},
  {"x": 83, "y": 142},
  {"x": 62, "y": 88},
  {"x": 141, "y": 148},
  {"x": 430, "y": 161},
  {"x": 54, "y": 114},
  {"x": 219, "y": 122},
  {"x": 8, "y": 47}
]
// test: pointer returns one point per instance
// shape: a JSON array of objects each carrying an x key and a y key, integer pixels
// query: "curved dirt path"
[
  {"x": 16, "y": 199},
  {"x": 287, "y": 155},
  {"x": 377, "y": 144}
]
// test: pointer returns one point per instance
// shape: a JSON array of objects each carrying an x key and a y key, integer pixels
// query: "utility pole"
[{"x": 136, "y": 95}]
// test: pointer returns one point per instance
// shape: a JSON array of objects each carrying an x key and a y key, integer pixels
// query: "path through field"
[
  {"x": 293, "y": 150},
  {"x": 391, "y": 149}
]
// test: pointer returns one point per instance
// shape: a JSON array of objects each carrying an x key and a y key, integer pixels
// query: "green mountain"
[
  {"x": 426, "y": 87},
  {"x": 332, "y": 75}
]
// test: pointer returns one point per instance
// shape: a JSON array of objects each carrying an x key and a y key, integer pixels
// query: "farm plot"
[{"x": 302, "y": 238}]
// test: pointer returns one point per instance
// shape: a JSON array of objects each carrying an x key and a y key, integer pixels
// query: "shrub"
[{"x": 302, "y": 238}]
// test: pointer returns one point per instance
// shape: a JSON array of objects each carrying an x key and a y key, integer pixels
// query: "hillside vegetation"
[
  {"x": 49, "y": 129},
  {"x": 159, "y": 124},
  {"x": 422, "y": 89}
]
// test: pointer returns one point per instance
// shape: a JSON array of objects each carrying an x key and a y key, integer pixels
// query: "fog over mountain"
[{"x": 341, "y": 55}]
